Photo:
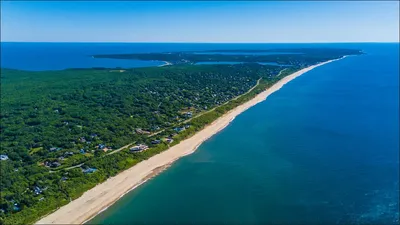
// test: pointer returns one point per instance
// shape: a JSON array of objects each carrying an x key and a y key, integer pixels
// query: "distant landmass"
[{"x": 297, "y": 57}]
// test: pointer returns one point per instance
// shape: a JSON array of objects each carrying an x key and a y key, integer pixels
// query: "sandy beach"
[
  {"x": 105, "y": 194},
  {"x": 165, "y": 64}
]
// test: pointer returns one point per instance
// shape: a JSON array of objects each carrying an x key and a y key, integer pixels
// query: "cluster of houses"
[
  {"x": 170, "y": 139},
  {"x": 103, "y": 147},
  {"x": 139, "y": 148},
  {"x": 54, "y": 164}
]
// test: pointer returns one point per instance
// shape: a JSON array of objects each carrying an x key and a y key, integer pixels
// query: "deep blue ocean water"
[{"x": 324, "y": 149}]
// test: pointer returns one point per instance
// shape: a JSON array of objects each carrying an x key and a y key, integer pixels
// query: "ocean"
[{"x": 324, "y": 149}]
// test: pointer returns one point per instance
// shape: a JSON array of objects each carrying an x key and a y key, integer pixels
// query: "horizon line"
[{"x": 114, "y": 42}]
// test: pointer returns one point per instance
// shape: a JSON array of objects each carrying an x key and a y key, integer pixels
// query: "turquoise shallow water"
[{"x": 323, "y": 149}]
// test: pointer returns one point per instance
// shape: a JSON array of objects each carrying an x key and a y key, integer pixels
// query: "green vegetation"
[
  {"x": 56, "y": 124},
  {"x": 298, "y": 57}
]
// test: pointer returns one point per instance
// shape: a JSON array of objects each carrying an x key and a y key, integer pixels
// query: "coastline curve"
[{"x": 103, "y": 195}]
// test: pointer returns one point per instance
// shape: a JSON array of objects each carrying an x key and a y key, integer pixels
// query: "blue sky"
[{"x": 259, "y": 21}]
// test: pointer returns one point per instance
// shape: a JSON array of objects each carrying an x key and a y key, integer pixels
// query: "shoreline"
[
  {"x": 103, "y": 195},
  {"x": 166, "y": 63}
]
